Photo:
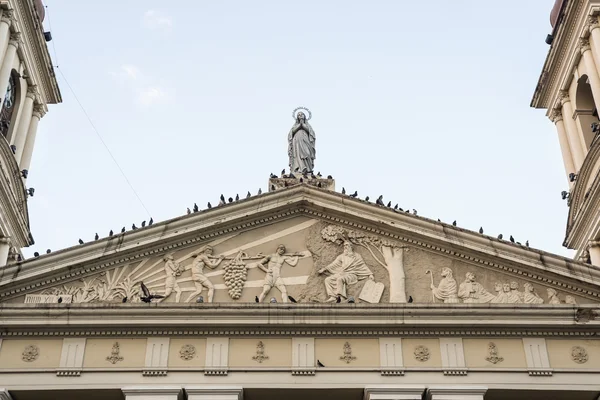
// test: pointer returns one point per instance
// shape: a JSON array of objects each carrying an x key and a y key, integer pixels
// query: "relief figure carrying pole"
[
  {"x": 204, "y": 258},
  {"x": 271, "y": 265}
]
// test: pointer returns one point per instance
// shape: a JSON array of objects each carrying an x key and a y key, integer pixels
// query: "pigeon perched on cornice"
[
  {"x": 329, "y": 177},
  {"x": 150, "y": 222},
  {"x": 343, "y": 190},
  {"x": 500, "y": 236},
  {"x": 319, "y": 175},
  {"x": 133, "y": 227},
  {"x": 454, "y": 223},
  {"x": 230, "y": 199},
  {"x": 123, "y": 230},
  {"x": 188, "y": 211},
  {"x": 367, "y": 198},
  {"x": 379, "y": 200},
  {"x": 389, "y": 204},
  {"x": 355, "y": 194},
  {"x": 143, "y": 223},
  {"x": 222, "y": 198},
  {"x": 110, "y": 233},
  {"x": 481, "y": 230},
  {"x": 237, "y": 197},
  {"x": 80, "y": 241},
  {"x": 248, "y": 195},
  {"x": 259, "y": 191},
  {"x": 512, "y": 239},
  {"x": 96, "y": 237},
  {"x": 208, "y": 205},
  {"x": 283, "y": 173},
  {"x": 196, "y": 207}
]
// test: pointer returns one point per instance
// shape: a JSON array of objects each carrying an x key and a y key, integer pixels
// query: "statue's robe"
[
  {"x": 514, "y": 297},
  {"x": 345, "y": 270},
  {"x": 532, "y": 298},
  {"x": 446, "y": 291},
  {"x": 301, "y": 148},
  {"x": 473, "y": 292}
]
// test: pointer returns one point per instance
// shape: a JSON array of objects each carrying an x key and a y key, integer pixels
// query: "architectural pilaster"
[
  {"x": 4, "y": 250},
  {"x": 5, "y": 22},
  {"x": 151, "y": 393},
  {"x": 594, "y": 250},
  {"x": 23, "y": 128},
  {"x": 576, "y": 143},
  {"x": 563, "y": 140},
  {"x": 38, "y": 113},
  {"x": 456, "y": 393},
  {"x": 591, "y": 69},
  {"x": 593, "y": 26},
  {"x": 7, "y": 63}
]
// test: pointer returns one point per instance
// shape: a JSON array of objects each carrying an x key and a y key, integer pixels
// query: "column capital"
[
  {"x": 556, "y": 115},
  {"x": 584, "y": 45},
  {"x": 38, "y": 110},
  {"x": 563, "y": 97},
  {"x": 32, "y": 92},
  {"x": 7, "y": 17},
  {"x": 593, "y": 22},
  {"x": 15, "y": 39}
]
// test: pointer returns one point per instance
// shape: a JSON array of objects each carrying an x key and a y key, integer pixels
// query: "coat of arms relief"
[{"x": 306, "y": 261}]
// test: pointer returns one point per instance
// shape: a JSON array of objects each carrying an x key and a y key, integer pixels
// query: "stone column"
[
  {"x": 7, "y": 63},
  {"x": 456, "y": 393},
  {"x": 594, "y": 249},
  {"x": 593, "y": 26},
  {"x": 151, "y": 393},
  {"x": 4, "y": 250},
  {"x": 214, "y": 393},
  {"x": 5, "y": 22},
  {"x": 38, "y": 113},
  {"x": 557, "y": 118},
  {"x": 591, "y": 68},
  {"x": 576, "y": 143},
  {"x": 23, "y": 128},
  {"x": 405, "y": 392}
]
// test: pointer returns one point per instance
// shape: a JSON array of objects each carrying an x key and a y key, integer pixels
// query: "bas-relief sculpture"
[
  {"x": 347, "y": 269},
  {"x": 579, "y": 355},
  {"x": 260, "y": 353},
  {"x": 172, "y": 275},
  {"x": 187, "y": 352},
  {"x": 421, "y": 353},
  {"x": 115, "y": 354},
  {"x": 493, "y": 355},
  {"x": 271, "y": 265},
  {"x": 347, "y": 357},
  {"x": 30, "y": 353}
]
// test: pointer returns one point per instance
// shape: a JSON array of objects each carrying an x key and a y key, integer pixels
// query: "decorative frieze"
[
  {"x": 30, "y": 353},
  {"x": 115, "y": 354},
  {"x": 421, "y": 353},
  {"x": 579, "y": 355},
  {"x": 347, "y": 357},
  {"x": 493, "y": 355},
  {"x": 260, "y": 353},
  {"x": 187, "y": 352}
]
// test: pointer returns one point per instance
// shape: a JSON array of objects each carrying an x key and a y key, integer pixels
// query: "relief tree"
[{"x": 388, "y": 254}]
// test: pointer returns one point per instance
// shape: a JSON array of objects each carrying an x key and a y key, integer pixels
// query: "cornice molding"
[
  {"x": 474, "y": 248},
  {"x": 302, "y": 319},
  {"x": 563, "y": 56}
]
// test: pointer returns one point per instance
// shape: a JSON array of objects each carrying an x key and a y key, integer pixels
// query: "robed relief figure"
[{"x": 301, "y": 145}]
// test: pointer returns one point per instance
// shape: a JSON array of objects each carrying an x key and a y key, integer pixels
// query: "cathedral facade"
[{"x": 301, "y": 291}]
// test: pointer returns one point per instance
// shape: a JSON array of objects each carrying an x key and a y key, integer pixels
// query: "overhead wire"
[{"x": 92, "y": 123}]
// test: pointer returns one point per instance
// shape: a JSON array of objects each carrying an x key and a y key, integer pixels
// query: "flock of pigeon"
[
  {"x": 397, "y": 209},
  {"x": 301, "y": 178}
]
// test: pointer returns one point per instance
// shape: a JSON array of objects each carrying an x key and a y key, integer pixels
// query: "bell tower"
[{"x": 28, "y": 84}]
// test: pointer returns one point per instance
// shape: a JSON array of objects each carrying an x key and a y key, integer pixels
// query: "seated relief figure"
[
  {"x": 552, "y": 296},
  {"x": 501, "y": 296},
  {"x": 347, "y": 269},
  {"x": 473, "y": 292},
  {"x": 447, "y": 288}
]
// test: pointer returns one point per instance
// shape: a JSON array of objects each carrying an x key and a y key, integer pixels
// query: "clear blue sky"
[{"x": 426, "y": 103}]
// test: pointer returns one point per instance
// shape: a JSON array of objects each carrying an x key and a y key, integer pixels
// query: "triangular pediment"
[{"x": 396, "y": 257}]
